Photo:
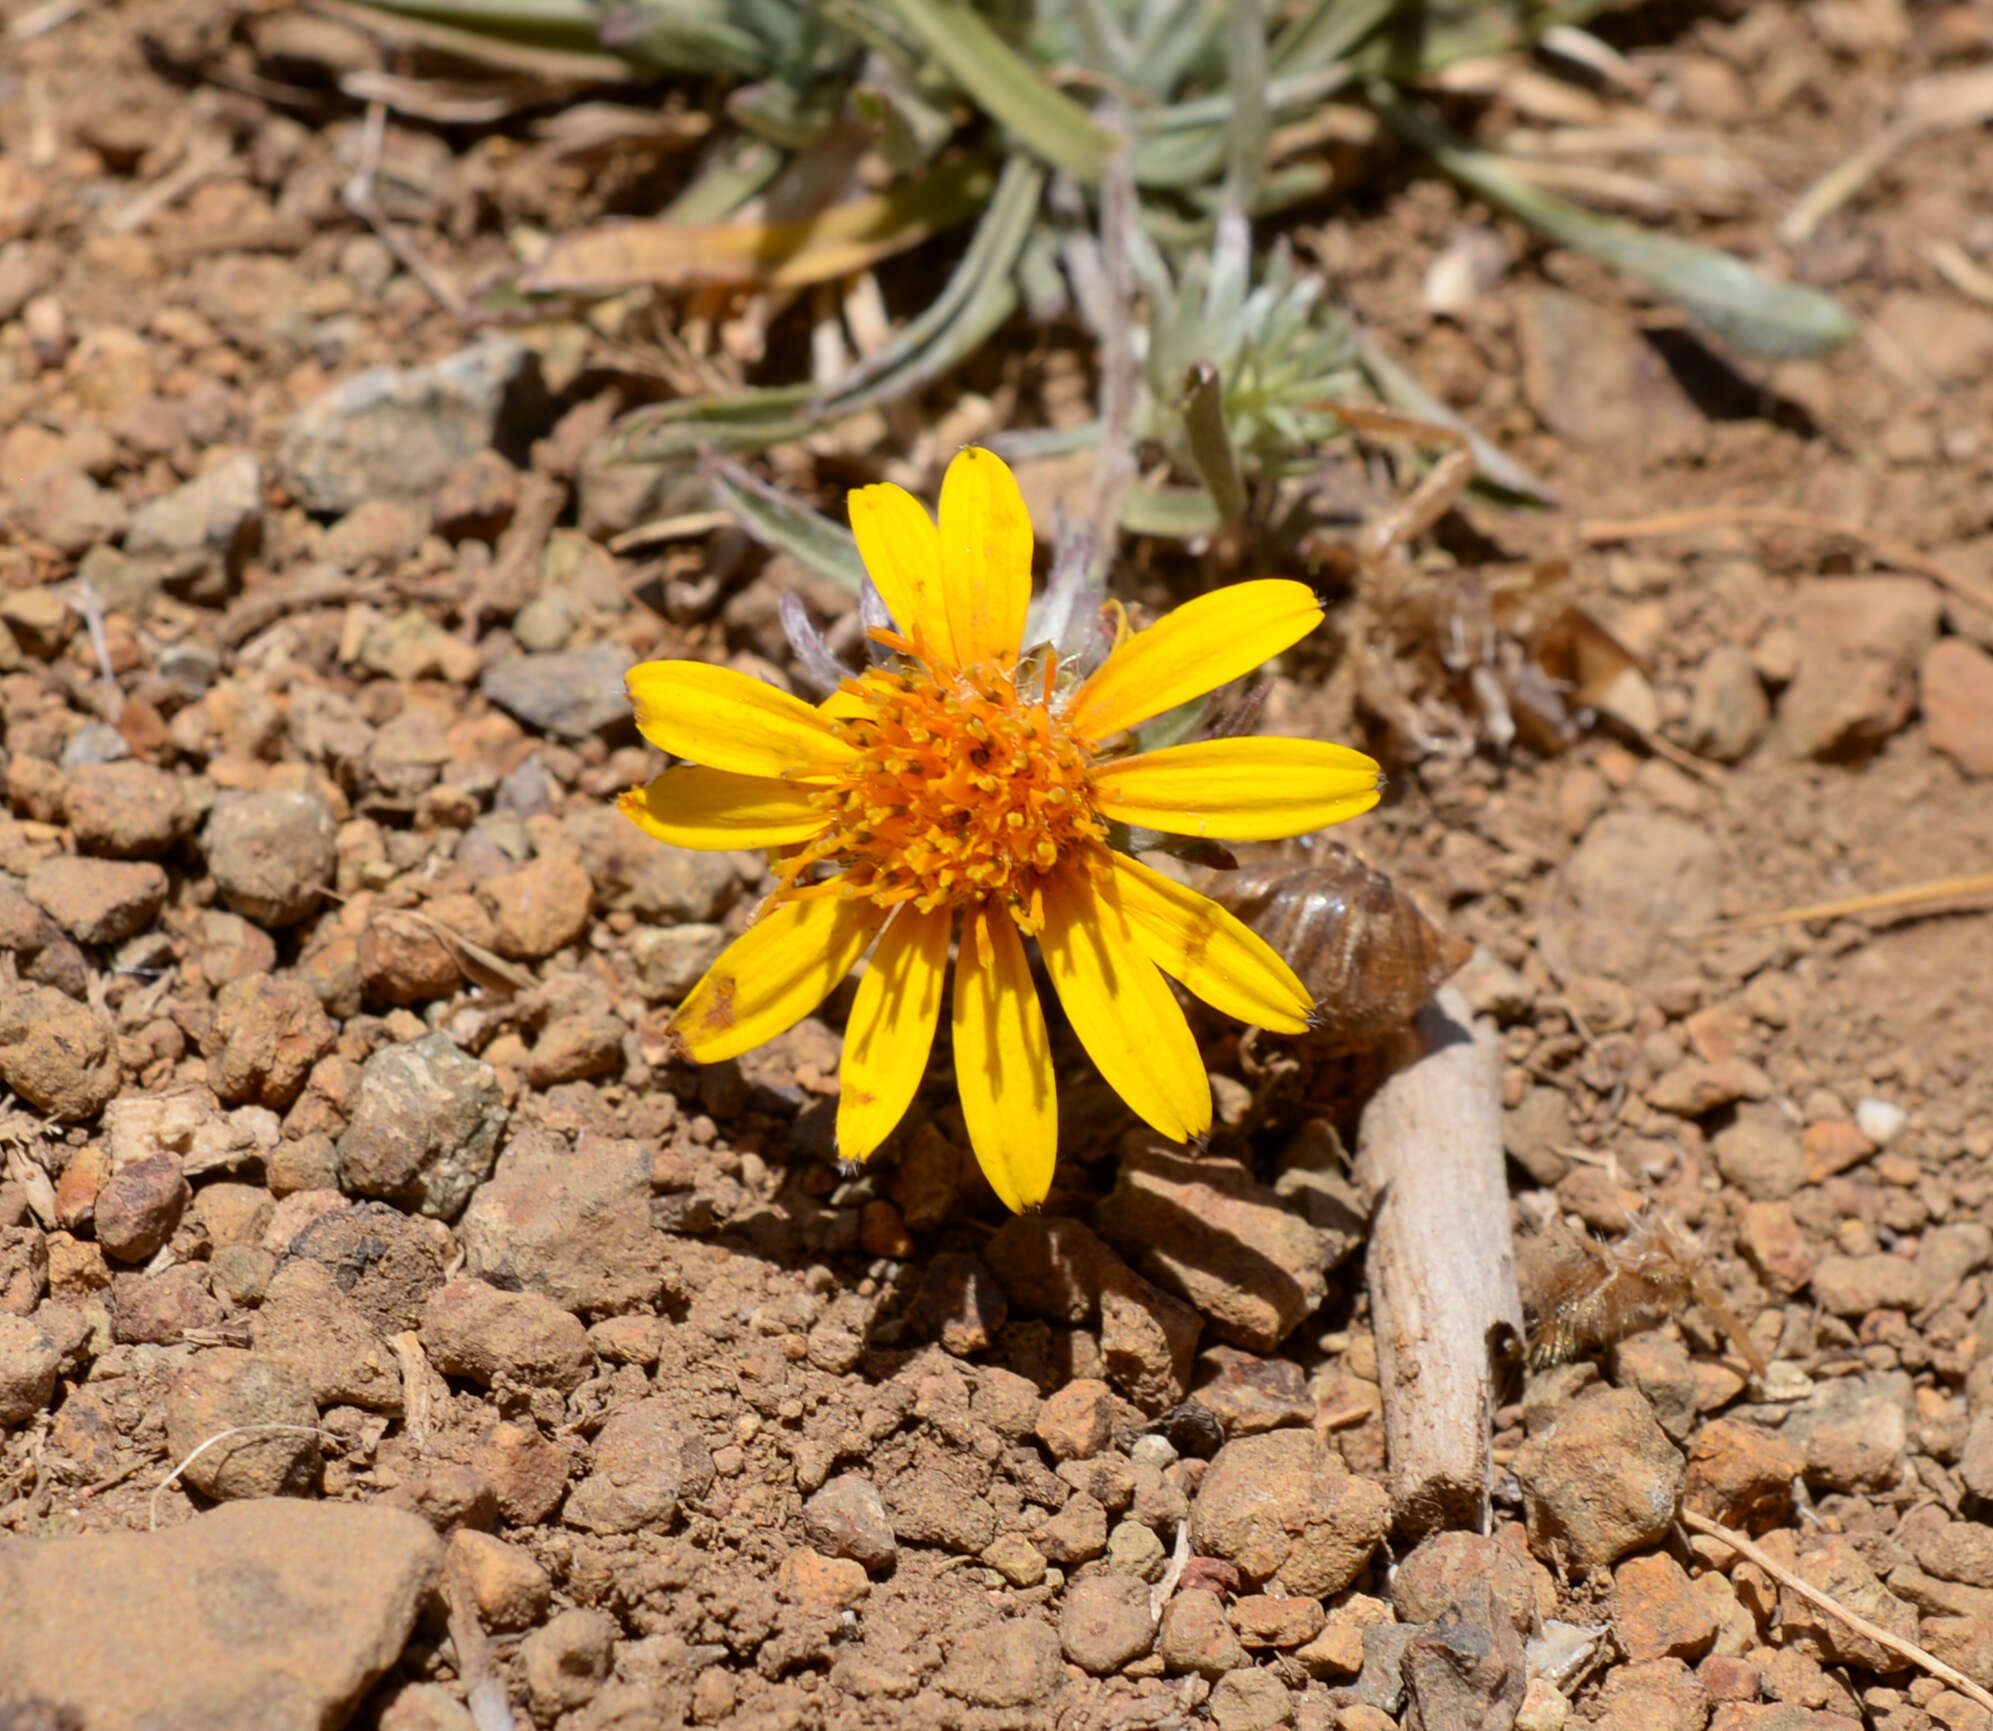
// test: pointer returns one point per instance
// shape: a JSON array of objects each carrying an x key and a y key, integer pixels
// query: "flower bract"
[{"x": 964, "y": 797}]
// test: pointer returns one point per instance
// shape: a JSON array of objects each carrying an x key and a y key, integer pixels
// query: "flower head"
[{"x": 969, "y": 780}]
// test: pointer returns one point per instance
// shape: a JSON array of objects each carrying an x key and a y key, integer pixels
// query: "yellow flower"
[{"x": 961, "y": 779}]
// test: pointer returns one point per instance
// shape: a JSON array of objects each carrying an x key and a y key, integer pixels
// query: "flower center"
[{"x": 962, "y": 792}]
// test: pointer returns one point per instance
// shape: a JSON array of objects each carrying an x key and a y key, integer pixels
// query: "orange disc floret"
[{"x": 960, "y": 791}]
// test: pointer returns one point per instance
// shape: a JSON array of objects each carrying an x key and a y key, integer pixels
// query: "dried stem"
[
  {"x": 1929, "y": 1663},
  {"x": 1882, "y": 901}
]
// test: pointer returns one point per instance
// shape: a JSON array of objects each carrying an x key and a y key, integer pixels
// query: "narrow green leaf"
[
  {"x": 1404, "y": 393},
  {"x": 776, "y": 520},
  {"x": 992, "y": 252},
  {"x": 1180, "y": 513},
  {"x": 1739, "y": 304},
  {"x": 1209, "y": 442},
  {"x": 1045, "y": 121},
  {"x": 739, "y": 170}
]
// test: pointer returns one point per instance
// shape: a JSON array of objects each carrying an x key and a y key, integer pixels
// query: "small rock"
[
  {"x": 384, "y": 1262},
  {"x": 1595, "y": 382},
  {"x": 271, "y": 853},
  {"x": 540, "y": 908},
  {"x": 571, "y": 1224},
  {"x": 574, "y": 1047},
  {"x": 267, "y": 1033},
  {"x": 512, "y": 1590},
  {"x": 1250, "y": 1394},
  {"x": 1958, "y": 703},
  {"x": 425, "y": 1127},
  {"x": 1076, "y": 1534},
  {"x": 222, "y": 1390},
  {"x": 1105, "y": 1623},
  {"x": 1016, "y": 1558},
  {"x": 139, "y": 1207},
  {"x": 1536, "y": 1131},
  {"x": 1697, "y": 1086},
  {"x": 1250, "y": 1700},
  {"x": 1760, "y": 1156},
  {"x": 1011, "y": 1664},
  {"x": 1282, "y": 1504},
  {"x": 23, "y": 1269},
  {"x": 670, "y": 959},
  {"x": 1862, "y": 643},
  {"x": 98, "y": 901},
  {"x": 822, "y": 1584},
  {"x": 1050, "y": 1266},
  {"x": 1196, "y": 1636},
  {"x": 959, "y": 1303},
  {"x": 1467, "y": 1666},
  {"x": 198, "y": 537},
  {"x": 1222, "y": 1242},
  {"x": 1880, "y": 1120},
  {"x": 1741, "y": 1474},
  {"x": 1657, "y": 1613},
  {"x": 1276, "y": 1620},
  {"x": 474, "y": 1330},
  {"x": 300, "y": 1607},
  {"x": 307, "y": 1324},
  {"x": 1148, "y": 1340},
  {"x": 425, "y": 1707},
  {"x": 1773, "y": 1243},
  {"x": 1078, "y": 1420},
  {"x": 1728, "y": 709},
  {"x": 847, "y": 1518},
  {"x": 1134, "y": 1550},
  {"x": 1594, "y": 1517},
  {"x": 1852, "y": 1286},
  {"x": 476, "y": 502},
  {"x": 1635, "y": 876},
  {"x": 388, "y": 434},
  {"x": 1853, "y": 1431},
  {"x": 566, "y": 1662},
  {"x": 127, "y": 810},
  {"x": 571, "y": 694},
  {"x": 528, "y": 1473},
  {"x": 1831, "y": 1563},
  {"x": 68, "y": 510},
  {"x": 29, "y": 1361},
  {"x": 162, "y": 1309},
  {"x": 643, "y": 1462},
  {"x": 1442, "y": 1569}
]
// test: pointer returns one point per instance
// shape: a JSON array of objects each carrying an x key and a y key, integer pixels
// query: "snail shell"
[{"x": 1364, "y": 949}]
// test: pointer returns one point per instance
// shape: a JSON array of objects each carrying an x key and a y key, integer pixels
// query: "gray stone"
[
  {"x": 271, "y": 853},
  {"x": 847, "y": 1518},
  {"x": 400, "y": 434},
  {"x": 201, "y": 534},
  {"x": 425, "y": 1128},
  {"x": 571, "y": 694},
  {"x": 1728, "y": 709},
  {"x": 1602, "y": 1481}
]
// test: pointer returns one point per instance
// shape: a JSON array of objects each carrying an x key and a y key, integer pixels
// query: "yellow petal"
[
  {"x": 725, "y": 720},
  {"x": 690, "y": 806},
  {"x": 1003, "y": 1062},
  {"x": 1214, "y": 954},
  {"x": 902, "y": 553},
  {"x": 1253, "y": 789},
  {"x": 774, "y": 974},
  {"x": 1121, "y": 1006},
  {"x": 1192, "y": 650},
  {"x": 985, "y": 558},
  {"x": 891, "y": 1030}
]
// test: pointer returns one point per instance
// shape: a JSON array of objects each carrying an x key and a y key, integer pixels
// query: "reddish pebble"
[{"x": 881, "y": 1232}]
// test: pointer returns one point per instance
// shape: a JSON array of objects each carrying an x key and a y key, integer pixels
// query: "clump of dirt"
[{"x": 334, "y": 1000}]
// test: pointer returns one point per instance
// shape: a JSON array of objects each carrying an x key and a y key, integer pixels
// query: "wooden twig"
[
  {"x": 1929, "y": 1663},
  {"x": 1885, "y": 547},
  {"x": 1441, "y": 1267}
]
